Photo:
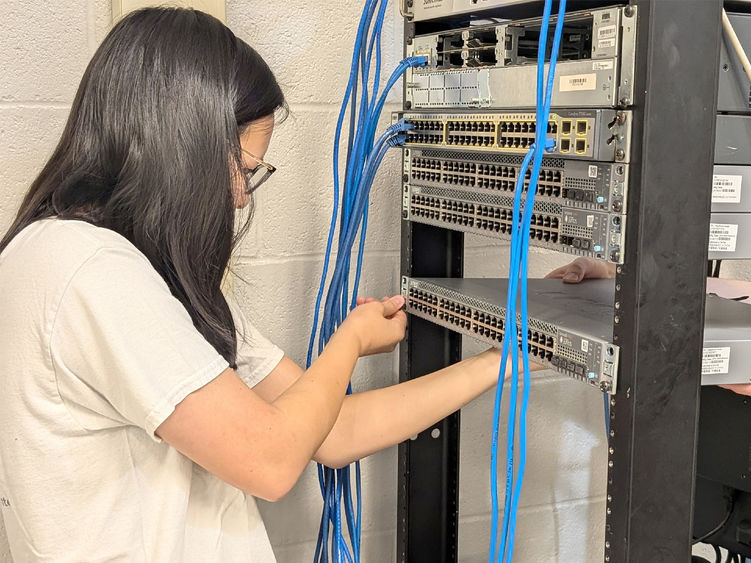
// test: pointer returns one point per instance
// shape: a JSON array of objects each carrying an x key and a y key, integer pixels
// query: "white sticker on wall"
[
  {"x": 722, "y": 238},
  {"x": 606, "y": 32},
  {"x": 602, "y": 65},
  {"x": 578, "y": 82},
  {"x": 727, "y": 188},
  {"x": 715, "y": 361}
]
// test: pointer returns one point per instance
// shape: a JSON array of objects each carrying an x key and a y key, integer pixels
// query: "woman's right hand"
[
  {"x": 378, "y": 326},
  {"x": 583, "y": 268}
]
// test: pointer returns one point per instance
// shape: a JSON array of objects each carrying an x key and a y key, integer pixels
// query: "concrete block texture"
[
  {"x": 44, "y": 49},
  {"x": 309, "y": 46}
]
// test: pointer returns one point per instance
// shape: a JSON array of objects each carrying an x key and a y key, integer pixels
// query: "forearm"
[
  {"x": 311, "y": 405},
  {"x": 374, "y": 420}
]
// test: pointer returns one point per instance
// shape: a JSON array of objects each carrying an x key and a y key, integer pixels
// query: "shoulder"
[{"x": 51, "y": 251}]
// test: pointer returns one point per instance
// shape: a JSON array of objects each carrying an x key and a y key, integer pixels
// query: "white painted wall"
[{"x": 43, "y": 54}]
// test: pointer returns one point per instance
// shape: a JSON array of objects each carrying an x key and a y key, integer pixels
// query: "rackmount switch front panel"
[
  {"x": 598, "y": 134},
  {"x": 421, "y": 10},
  {"x": 570, "y": 327},
  {"x": 495, "y": 66}
]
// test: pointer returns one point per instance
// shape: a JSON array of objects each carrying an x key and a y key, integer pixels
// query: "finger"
[
  {"x": 574, "y": 274},
  {"x": 393, "y": 305},
  {"x": 558, "y": 273},
  {"x": 360, "y": 301}
]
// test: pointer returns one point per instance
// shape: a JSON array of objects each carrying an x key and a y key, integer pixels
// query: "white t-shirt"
[{"x": 95, "y": 354}]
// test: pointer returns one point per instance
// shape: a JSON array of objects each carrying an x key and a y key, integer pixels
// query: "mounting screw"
[
  {"x": 617, "y": 320},
  {"x": 615, "y": 256},
  {"x": 619, "y": 270},
  {"x": 624, "y": 102},
  {"x": 617, "y": 305},
  {"x": 408, "y": 104},
  {"x": 610, "y": 498},
  {"x": 605, "y": 386},
  {"x": 620, "y": 154},
  {"x": 617, "y": 206},
  {"x": 607, "y": 545},
  {"x": 629, "y": 11},
  {"x": 405, "y": 178},
  {"x": 611, "y": 451},
  {"x": 617, "y": 287},
  {"x": 410, "y": 3}
]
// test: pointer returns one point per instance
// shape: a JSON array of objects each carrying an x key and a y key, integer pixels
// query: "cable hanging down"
[
  {"x": 513, "y": 333},
  {"x": 350, "y": 213}
]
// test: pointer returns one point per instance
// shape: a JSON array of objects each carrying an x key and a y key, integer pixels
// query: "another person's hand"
[
  {"x": 583, "y": 268},
  {"x": 378, "y": 326}
]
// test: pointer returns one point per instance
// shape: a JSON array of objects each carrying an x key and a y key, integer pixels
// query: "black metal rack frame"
[{"x": 658, "y": 309}]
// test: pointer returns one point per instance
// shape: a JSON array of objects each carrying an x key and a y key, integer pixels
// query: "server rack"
[{"x": 659, "y": 302}]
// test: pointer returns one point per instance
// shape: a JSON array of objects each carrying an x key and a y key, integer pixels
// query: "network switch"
[
  {"x": 730, "y": 236},
  {"x": 570, "y": 327},
  {"x": 580, "y": 232},
  {"x": 733, "y": 140},
  {"x": 731, "y": 189},
  {"x": 735, "y": 89},
  {"x": 420, "y": 10},
  {"x": 601, "y": 135},
  {"x": 570, "y": 183},
  {"x": 494, "y": 66}
]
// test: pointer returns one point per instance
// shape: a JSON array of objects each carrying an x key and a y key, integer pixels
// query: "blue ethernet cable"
[
  {"x": 519, "y": 256},
  {"x": 335, "y": 485},
  {"x": 524, "y": 241}
]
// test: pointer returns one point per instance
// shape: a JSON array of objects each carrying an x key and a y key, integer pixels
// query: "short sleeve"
[
  {"x": 256, "y": 356},
  {"x": 125, "y": 351}
]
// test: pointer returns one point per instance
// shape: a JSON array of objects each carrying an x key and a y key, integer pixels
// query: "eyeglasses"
[{"x": 258, "y": 175}]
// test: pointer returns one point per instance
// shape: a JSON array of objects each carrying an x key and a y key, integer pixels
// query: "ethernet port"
[
  {"x": 565, "y": 145},
  {"x": 581, "y": 146},
  {"x": 581, "y": 127},
  {"x": 566, "y": 127}
]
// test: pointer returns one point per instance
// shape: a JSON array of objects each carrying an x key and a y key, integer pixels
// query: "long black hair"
[{"x": 150, "y": 147}]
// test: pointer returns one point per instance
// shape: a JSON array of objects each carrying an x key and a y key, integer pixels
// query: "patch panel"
[
  {"x": 580, "y": 232},
  {"x": 570, "y": 328},
  {"x": 600, "y": 135},
  {"x": 569, "y": 183},
  {"x": 494, "y": 66}
]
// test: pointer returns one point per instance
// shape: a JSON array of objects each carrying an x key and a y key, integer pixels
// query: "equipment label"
[
  {"x": 592, "y": 171},
  {"x": 726, "y": 188},
  {"x": 606, "y": 43},
  {"x": 602, "y": 65},
  {"x": 606, "y": 32},
  {"x": 715, "y": 361},
  {"x": 722, "y": 238},
  {"x": 578, "y": 82}
]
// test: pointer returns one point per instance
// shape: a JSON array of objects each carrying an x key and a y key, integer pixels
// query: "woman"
[{"x": 141, "y": 411}]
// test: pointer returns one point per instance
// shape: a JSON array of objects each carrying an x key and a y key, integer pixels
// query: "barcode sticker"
[
  {"x": 726, "y": 188},
  {"x": 602, "y": 65},
  {"x": 722, "y": 238},
  {"x": 578, "y": 82},
  {"x": 592, "y": 171},
  {"x": 715, "y": 361},
  {"x": 606, "y": 32},
  {"x": 606, "y": 43}
]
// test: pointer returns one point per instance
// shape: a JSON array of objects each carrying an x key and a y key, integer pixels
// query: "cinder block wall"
[{"x": 44, "y": 48}]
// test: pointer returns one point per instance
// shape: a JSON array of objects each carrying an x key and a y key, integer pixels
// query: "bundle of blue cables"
[
  {"x": 364, "y": 156},
  {"x": 516, "y": 336}
]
